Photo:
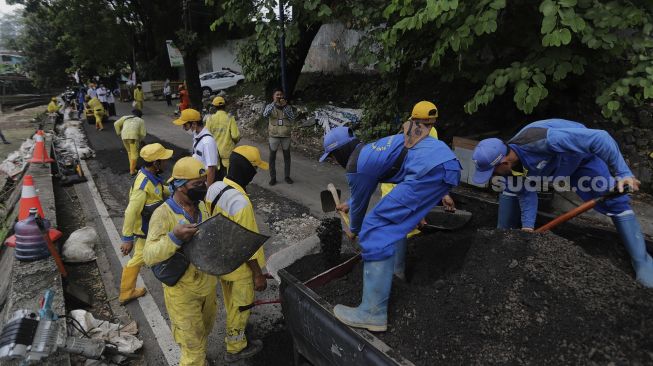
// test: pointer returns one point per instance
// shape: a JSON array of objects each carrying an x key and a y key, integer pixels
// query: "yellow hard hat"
[
  {"x": 252, "y": 154},
  {"x": 54, "y": 99},
  {"x": 424, "y": 110},
  {"x": 187, "y": 168},
  {"x": 153, "y": 152},
  {"x": 218, "y": 101},
  {"x": 188, "y": 115}
]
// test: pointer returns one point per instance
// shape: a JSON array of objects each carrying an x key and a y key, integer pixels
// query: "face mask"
[
  {"x": 190, "y": 132},
  {"x": 197, "y": 194}
]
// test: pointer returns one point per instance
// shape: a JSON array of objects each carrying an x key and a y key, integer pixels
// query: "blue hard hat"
[
  {"x": 335, "y": 139},
  {"x": 487, "y": 154}
]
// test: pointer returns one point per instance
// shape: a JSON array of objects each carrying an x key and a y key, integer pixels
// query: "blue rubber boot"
[
  {"x": 631, "y": 234},
  {"x": 509, "y": 212},
  {"x": 400, "y": 259},
  {"x": 372, "y": 313}
]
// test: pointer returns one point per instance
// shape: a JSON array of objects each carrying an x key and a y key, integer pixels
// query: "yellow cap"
[
  {"x": 54, "y": 99},
  {"x": 153, "y": 152},
  {"x": 187, "y": 168},
  {"x": 218, "y": 101},
  {"x": 188, "y": 115},
  {"x": 424, "y": 110},
  {"x": 252, "y": 154}
]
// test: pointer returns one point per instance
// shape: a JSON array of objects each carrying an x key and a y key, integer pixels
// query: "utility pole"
[{"x": 282, "y": 48}]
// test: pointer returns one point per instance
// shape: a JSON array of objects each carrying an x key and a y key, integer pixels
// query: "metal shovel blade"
[
  {"x": 221, "y": 245},
  {"x": 328, "y": 204},
  {"x": 440, "y": 219}
]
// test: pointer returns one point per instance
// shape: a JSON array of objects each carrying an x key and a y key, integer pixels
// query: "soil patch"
[{"x": 330, "y": 234}]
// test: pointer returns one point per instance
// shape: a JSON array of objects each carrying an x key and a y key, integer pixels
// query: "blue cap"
[
  {"x": 487, "y": 155},
  {"x": 335, "y": 139}
]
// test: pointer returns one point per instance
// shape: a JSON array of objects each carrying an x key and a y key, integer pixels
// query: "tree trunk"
[
  {"x": 294, "y": 68},
  {"x": 193, "y": 79}
]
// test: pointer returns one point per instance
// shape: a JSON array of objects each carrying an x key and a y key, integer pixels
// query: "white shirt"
[
  {"x": 205, "y": 149},
  {"x": 92, "y": 92},
  {"x": 102, "y": 95},
  {"x": 110, "y": 98}
]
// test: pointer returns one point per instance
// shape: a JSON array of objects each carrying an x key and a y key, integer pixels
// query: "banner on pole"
[{"x": 176, "y": 59}]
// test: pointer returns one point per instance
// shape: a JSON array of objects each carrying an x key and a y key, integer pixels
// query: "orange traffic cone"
[
  {"x": 29, "y": 199},
  {"x": 40, "y": 155}
]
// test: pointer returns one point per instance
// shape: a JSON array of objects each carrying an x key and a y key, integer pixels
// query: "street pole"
[{"x": 282, "y": 48}]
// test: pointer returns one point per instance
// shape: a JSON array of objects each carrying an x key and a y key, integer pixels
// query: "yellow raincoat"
[
  {"x": 192, "y": 301},
  {"x": 98, "y": 111},
  {"x": 138, "y": 98},
  {"x": 237, "y": 286},
  {"x": 132, "y": 131},
  {"x": 224, "y": 129},
  {"x": 53, "y": 107}
]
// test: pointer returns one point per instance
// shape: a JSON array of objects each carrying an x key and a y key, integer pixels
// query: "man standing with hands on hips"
[{"x": 279, "y": 114}]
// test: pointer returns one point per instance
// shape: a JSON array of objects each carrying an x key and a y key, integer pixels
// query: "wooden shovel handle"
[{"x": 336, "y": 199}]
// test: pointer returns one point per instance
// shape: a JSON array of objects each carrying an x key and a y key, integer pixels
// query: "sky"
[{"x": 4, "y": 8}]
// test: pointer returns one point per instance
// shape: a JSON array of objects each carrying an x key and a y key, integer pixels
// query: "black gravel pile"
[{"x": 330, "y": 233}]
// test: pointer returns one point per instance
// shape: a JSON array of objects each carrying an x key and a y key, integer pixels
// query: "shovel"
[
  {"x": 330, "y": 199},
  {"x": 580, "y": 209}
]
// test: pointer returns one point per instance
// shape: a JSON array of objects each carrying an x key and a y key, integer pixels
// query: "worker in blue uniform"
[
  {"x": 588, "y": 159},
  {"x": 424, "y": 169}
]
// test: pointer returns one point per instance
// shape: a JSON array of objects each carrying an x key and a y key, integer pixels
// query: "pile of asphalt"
[
  {"x": 330, "y": 234},
  {"x": 508, "y": 297}
]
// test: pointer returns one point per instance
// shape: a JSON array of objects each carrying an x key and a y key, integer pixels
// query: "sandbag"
[{"x": 79, "y": 246}]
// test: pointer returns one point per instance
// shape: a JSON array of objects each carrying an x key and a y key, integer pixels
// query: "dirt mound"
[{"x": 497, "y": 297}]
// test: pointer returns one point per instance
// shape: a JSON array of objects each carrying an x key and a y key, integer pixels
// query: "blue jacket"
[
  {"x": 377, "y": 158},
  {"x": 554, "y": 148}
]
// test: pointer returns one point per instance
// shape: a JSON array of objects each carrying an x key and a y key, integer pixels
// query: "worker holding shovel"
[
  {"x": 424, "y": 170},
  {"x": 552, "y": 149}
]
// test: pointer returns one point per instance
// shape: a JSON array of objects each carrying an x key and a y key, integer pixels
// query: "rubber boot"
[
  {"x": 631, "y": 234},
  {"x": 286, "y": 166},
  {"x": 254, "y": 346},
  {"x": 273, "y": 167},
  {"x": 128, "y": 290},
  {"x": 400, "y": 259},
  {"x": 372, "y": 313}
]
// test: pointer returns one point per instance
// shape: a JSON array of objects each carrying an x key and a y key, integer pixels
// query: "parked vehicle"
[{"x": 213, "y": 82}]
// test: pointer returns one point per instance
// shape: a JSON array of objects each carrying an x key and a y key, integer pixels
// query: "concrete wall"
[{"x": 328, "y": 53}]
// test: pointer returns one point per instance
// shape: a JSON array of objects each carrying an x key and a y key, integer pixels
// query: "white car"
[{"x": 213, "y": 82}]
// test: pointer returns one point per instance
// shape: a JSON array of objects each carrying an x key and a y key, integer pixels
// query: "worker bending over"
[
  {"x": 229, "y": 198},
  {"x": 97, "y": 108},
  {"x": 556, "y": 148},
  {"x": 224, "y": 129},
  {"x": 189, "y": 294},
  {"x": 131, "y": 130},
  {"x": 145, "y": 195},
  {"x": 424, "y": 170}
]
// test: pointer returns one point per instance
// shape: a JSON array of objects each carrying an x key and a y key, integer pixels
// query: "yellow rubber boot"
[
  {"x": 132, "y": 167},
  {"x": 128, "y": 290}
]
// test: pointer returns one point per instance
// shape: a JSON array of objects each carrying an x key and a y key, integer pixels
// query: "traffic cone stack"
[
  {"x": 29, "y": 199},
  {"x": 40, "y": 154}
]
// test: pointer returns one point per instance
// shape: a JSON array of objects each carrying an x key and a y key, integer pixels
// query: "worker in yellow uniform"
[
  {"x": 96, "y": 106},
  {"x": 420, "y": 112},
  {"x": 146, "y": 194},
  {"x": 229, "y": 198},
  {"x": 224, "y": 129},
  {"x": 131, "y": 130},
  {"x": 138, "y": 97},
  {"x": 190, "y": 295},
  {"x": 53, "y": 107}
]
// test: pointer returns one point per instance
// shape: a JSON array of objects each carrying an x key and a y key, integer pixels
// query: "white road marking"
[{"x": 151, "y": 311}]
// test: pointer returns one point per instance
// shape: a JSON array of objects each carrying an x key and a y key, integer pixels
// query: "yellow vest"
[
  {"x": 273, "y": 123},
  {"x": 130, "y": 128},
  {"x": 224, "y": 129},
  {"x": 142, "y": 193}
]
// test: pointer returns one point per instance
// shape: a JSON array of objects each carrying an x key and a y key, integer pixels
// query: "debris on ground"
[
  {"x": 330, "y": 234},
  {"x": 295, "y": 229},
  {"x": 249, "y": 111},
  {"x": 79, "y": 247},
  {"x": 17, "y": 160},
  {"x": 508, "y": 297},
  {"x": 71, "y": 141}
]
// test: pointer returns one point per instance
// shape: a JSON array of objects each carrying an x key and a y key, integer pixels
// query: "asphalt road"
[{"x": 295, "y": 207}]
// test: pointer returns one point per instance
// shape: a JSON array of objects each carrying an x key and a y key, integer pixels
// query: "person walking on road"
[
  {"x": 92, "y": 90},
  {"x": 556, "y": 148},
  {"x": 138, "y": 97},
  {"x": 279, "y": 114},
  {"x": 102, "y": 97},
  {"x": 147, "y": 192},
  {"x": 98, "y": 111},
  {"x": 81, "y": 93},
  {"x": 424, "y": 169},
  {"x": 184, "y": 99},
  {"x": 167, "y": 92},
  {"x": 190, "y": 295},
  {"x": 204, "y": 147},
  {"x": 131, "y": 129},
  {"x": 229, "y": 198},
  {"x": 224, "y": 129},
  {"x": 111, "y": 101}
]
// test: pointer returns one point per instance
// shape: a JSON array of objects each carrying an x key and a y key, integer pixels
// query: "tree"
[
  {"x": 10, "y": 29},
  {"x": 532, "y": 49}
]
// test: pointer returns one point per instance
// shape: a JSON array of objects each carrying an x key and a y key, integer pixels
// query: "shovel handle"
[
  {"x": 258, "y": 302},
  {"x": 334, "y": 192}
]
